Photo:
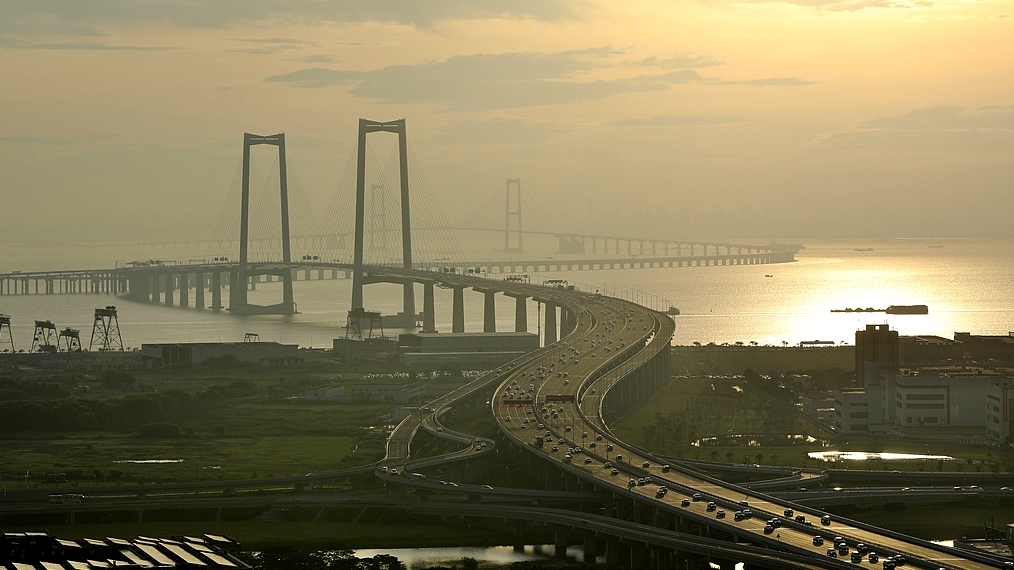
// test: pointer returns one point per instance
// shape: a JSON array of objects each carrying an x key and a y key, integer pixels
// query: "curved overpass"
[{"x": 563, "y": 396}]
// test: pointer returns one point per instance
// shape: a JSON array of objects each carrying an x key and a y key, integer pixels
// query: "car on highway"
[
  {"x": 818, "y": 541},
  {"x": 832, "y": 553},
  {"x": 825, "y": 520},
  {"x": 720, "y": 514}
]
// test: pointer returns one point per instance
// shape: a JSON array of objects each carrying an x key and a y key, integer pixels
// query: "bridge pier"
[
  {"x": 458, "y": 310},
  {"x": 560, "y": 544},
  {"x": 170, "y": 284},
  {"x": 520, "y": 313},
  {"x": 568, "y": 322},
  {"x": 590, "y": 551},
  {"x": 155, "y": 282},
  {"x": 429, "y": 317},
  {"x": 613, "y": 551},
  {"x": 216, "y": 290},
  {"x": 639, "y": 556},
  {"x": 550, "y": 328},
  {"x": 489, "y": 312},
  {"x": 237, "y": 288},
  {"x": 199, "y": 290},
  {"x": 184, "y": 289}
]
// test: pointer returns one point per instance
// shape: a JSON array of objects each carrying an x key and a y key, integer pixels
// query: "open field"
[
  {"x": 266, "y": 429},
  {"x": 224, "y": 424},
  {"x": 715, "y": 359}
]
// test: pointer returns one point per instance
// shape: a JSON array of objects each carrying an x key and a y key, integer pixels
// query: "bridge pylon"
[
  {"x": 406, "y": 319},
  {"x": 513, "y": 214},
  {"x": 238, "y": 287}
]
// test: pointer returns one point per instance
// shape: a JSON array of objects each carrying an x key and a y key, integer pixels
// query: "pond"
[{"x": 871, "y": 456}]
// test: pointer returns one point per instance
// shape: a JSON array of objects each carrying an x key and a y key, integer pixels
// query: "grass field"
[
  {"x": 274, "y": 432},
  {"x": 271, "y": 431},
  {"x": 713, "y": 359}
]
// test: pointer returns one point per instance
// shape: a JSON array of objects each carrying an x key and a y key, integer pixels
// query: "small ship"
[{"x": 890, "y": 310}]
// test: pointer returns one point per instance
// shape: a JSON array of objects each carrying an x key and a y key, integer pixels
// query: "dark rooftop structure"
[{"x": 39, "y": 551}]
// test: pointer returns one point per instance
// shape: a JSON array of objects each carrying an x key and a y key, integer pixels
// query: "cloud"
[
  {"x": 58, "y": 141},
  {"x": 503, "y": 80},
  {"x": 320, "y": 58},
  {"x": 852, "y": 5},
  {"x": 260, "y": 46},
  {"x": 81, "y": 46},
  {"x": 65, "y": 16},
  {"x": 497, "y": 131},
  {"x": 676, "y": 62},
  {"x": 956, "y": 129},
  {"x": 677, "y": 121},
  {"x": 770, "y": 81}
]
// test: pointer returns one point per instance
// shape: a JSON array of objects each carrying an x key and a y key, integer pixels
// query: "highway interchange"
[
  {"x": 553, "y": 404},
  {"x": 550, "y": 403}
]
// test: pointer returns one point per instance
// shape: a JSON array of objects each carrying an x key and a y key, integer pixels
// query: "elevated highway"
[
  {"x": 555, "y": 405},
  {"x": 553, "y": 408}
]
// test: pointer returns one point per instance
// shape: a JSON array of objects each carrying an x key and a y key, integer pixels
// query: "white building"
[
  {"x": 851, "y": 411},
  {"x": 939, "y": 395}
]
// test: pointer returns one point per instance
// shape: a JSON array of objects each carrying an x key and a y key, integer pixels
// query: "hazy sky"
[{"x": 122, "y": 120}]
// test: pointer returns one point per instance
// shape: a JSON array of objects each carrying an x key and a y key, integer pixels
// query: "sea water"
[{"x": 967, "y": 284}]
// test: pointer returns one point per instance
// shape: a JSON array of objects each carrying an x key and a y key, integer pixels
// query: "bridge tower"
[
  {"x": 513, "y": 214},
  {"x": 45, "y": 335},
  {"x": 407, "y": 318},
  {"x": 106, "y": 330},
  {"x": 69, "y": 340},
  {"x": 238, "y": 287},
  {"x": 5, "y": 324}
]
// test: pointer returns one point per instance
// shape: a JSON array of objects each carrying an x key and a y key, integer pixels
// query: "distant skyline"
[{"x": 759, "y": 119}]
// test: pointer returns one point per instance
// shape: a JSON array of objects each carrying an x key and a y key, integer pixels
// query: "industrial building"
[
  {"x": 490, "y": 348},
  {"x": 189, "y": 353},
  {"x": 927, "y": 381}
]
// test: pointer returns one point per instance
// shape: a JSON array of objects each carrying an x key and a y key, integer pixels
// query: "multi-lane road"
[{"x": 552, "y": 405}]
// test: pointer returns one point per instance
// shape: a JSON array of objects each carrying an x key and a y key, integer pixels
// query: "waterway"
[
  {"x": 416, "y": 558},
  {"x": 967, "y": 284}
]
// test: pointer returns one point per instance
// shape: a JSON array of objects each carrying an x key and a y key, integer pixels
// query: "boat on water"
[
  {"x": 672, "y": 311},
  {"x": 768, "y": 275},
  {"x": 862, "y": 249},
  {"x": 907, "y": 310},
  {"x": 890, "y": 310}
]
